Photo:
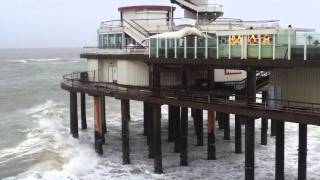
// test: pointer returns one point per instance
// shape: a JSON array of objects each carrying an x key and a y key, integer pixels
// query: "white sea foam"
[{"x": 58, "y": 154}]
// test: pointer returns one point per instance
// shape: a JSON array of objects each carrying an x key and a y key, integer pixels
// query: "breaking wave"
[{"x": 53, "y": 153}]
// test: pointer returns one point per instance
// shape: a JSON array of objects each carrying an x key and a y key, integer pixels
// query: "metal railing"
[
  {"x": 127, "y": 50},
  {"x": 72, "y": 80}
]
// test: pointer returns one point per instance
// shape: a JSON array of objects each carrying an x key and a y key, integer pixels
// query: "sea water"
[{"x": 35, "y": 142}]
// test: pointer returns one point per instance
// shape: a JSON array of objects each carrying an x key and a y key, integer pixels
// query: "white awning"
[{"x": 187, "y": 31}]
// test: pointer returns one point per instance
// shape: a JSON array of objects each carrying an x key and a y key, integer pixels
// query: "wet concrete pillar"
[
  {"x": 171, "y": 122},
  {"x": 74, "y": 115},
  {"x": 83, "y": 112},
  {"x": 250, "y": 127},
  {"x": 103, "y": 117},
  {"x": 125, "y": 131},
  {"x": 198, "y": 121},
  {"x": 219, "y": 118},
  {"x": 145, "y": 119},
  {"x": 211, "y": 135},
  {"x": 280, "y": 150},
  {"x": 273, "y": 128},
  {"x": 177, "y": 118},
  {"x": 264, "y": 122},
  {"x": 98, "y": 133},
  {"x": 184, "y": 137},
  {"x": 226, "y": 122},
  {"x": 238, "y": 135},
  {"x": 150, "y": 130},
  {"x": 157, "y": 147},
  {"x": 302, "y": 159}
]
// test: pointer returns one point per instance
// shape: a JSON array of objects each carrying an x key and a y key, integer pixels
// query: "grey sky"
[{"x": 73, "y": 23}]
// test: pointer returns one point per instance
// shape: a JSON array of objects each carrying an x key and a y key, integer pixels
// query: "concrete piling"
[
  {"x": 184, "y": 137},
  {"x": 279, "y": 175},
  {"x": 177, "y": 118},
  {"x": 302, "y": 159},
  {"x": 171, "y": 122},
  {"x": 157, "y": 139},
  {"x": 83, "y": 112},
  {"x": 98, "y": 133},
  {"x": 74, "y": 115},
  {"x": 125, "y": 131},
  {"x": 211, "y": 135}
]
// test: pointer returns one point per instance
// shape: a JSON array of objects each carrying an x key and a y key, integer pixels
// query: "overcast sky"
[{"x": 73, "y": 23}]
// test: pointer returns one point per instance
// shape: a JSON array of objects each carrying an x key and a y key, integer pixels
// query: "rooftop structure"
[{"x": 204, "y": 62}]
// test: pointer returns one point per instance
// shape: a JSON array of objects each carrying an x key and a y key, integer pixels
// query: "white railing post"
[
  {"x": 195, "y": 47},
  {"x": 305, "y": 52},
  {"x": 206, "y": 46},
  {"x": 149, "y": 48},
  {"x": 242, "y": 47},
  {"x": 289, "y": 44},
  {"x": 274, "y": 47},
  {"x": 229, "y": 48},
  {"x": 157, "y": 46},
  {"x": 218, "y": 56},
  {"x": 166, "y": 48},
  {"x": 245, "y": 47},
  {"x": 175, "y": 48},
  {"x": 185, "y": 47},
  {"x": 260, "y": 47}
]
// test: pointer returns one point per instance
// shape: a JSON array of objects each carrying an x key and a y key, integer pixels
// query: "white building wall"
[
  {"x": 298, "y": 84},
  {"x": 134, "y": 73}
]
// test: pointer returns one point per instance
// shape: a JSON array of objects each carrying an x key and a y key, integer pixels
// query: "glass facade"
[
  {"x": 110, "y": 41},
  {"x": 282, "y": 45}
]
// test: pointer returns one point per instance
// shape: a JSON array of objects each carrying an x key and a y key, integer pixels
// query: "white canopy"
[{"x": 187, "y": 31}]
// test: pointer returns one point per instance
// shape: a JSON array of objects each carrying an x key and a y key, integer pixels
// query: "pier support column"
[
  {"x": 219, "y": 117},
  {"x": 302, "y": 160},
  {"x": 176, "y": 129},
  {"x": 273, "y": 128},
  {"x": 150, "y": 129},
  {"x": 250, "y": 127},
  {"x": 264, "y": 122},
  {"x": 103, "y": 117},
  {"x": 238, "y": 135},
  {"x": 157, "y": 139},
  {"x": 171, "y": 124},
  {"x": 145, "y": 119},
  {"x": 83, "y": 112},
  {"x": 226, "y": 124},
  {"x": 279, "y": 150},
  {"x": 98, "y": 133},
  {"x": 211, "y": 135},
  {"x": 74, "y": 115},
  {"x": 184, "y": 137},
  {"x": 198, "y": 121},
  {"x": 125, "y": 131}
]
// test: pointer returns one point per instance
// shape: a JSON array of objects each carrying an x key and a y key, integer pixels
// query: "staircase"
[
  {"x": 200, "y": 9},
  {"x": 136, "y": 32}
]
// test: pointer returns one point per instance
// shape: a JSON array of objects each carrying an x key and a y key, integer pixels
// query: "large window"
[{"x": 112, "y": 41}]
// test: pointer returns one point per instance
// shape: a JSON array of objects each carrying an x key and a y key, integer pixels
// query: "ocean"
[{"x": 35, "y": 142}]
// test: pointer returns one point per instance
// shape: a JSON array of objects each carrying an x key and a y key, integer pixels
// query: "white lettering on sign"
[{"x": 228, "y": 72}]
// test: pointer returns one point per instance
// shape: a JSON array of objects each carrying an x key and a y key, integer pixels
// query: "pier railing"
[{"x": 74, "y": 81}]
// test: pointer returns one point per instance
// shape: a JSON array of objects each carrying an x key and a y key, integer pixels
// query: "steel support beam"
[
  {"x": 150, "y": 130},
  {"x": 98, "y": 133},
  {"x": 238, "y": 135},
  {"x": 145, "y": 119},
  {"x": 198, "y": 122}
]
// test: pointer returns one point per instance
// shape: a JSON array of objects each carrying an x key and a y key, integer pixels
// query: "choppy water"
[{"x": 35, "y": 142}]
